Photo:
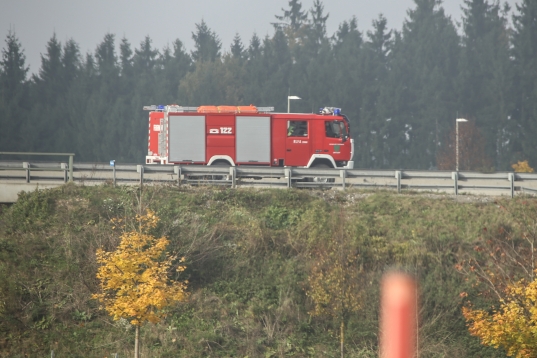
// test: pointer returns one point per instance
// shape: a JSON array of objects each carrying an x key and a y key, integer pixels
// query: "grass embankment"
[{"x": 248, "y": 255}]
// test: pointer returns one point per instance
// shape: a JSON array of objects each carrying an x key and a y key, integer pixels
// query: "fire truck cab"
[{"x": 248, "y": 135}]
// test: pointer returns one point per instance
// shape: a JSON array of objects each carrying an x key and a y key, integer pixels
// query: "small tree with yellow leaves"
[
  {"x": 502, "y": 265},
  {"x": 522, "y": 167},
  {"x": 513, "y": 326},
  {"x": 134, "y": 278},
  {"x": 334, "y": 280},
  {"x": 334, "y": 289}
]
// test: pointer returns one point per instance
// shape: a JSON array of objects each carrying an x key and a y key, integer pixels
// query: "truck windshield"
[{"x": 335, "y": 129}]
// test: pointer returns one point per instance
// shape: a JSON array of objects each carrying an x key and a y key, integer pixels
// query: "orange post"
[{"x": 398, "y": 316}]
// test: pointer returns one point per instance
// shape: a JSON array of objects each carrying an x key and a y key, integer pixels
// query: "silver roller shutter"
[
  {"x": 186, "y": 138},
  {"x": 253, "y": 139}
]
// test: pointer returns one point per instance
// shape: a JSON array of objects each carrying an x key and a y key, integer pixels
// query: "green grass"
[{"x": 248, "y": 255}]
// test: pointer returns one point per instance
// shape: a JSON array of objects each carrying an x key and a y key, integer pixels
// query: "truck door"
[
  {"x": 298, "y": 143},
  {"x": 335, "y": 141}
]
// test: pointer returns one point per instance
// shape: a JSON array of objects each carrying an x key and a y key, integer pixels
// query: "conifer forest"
[{"x": 401, "y": 88}]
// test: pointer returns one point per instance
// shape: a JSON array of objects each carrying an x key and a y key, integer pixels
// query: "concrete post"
[
  {"x": 140, "y": 169},
  {"x": 343, "y": 175},
  {"x": 233, "y": 173},
  {"x": 398, "y": 177},
  {"x": 288, "y": 176},
  {"x": 26, "y": 166},
  {"x": 71, "y": 168},
  {"x": 63, "y": 166},
  {"x": 511, "y": 177},
  {"x": 177, "y": 171},
  {"x": 455, "y": 177}
]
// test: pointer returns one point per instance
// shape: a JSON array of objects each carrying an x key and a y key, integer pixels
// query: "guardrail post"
[
  {"x": 343, "y": 175},
  {"x": 398, "y": 177},
  {"x": 455, "y": 177},
  {"x": 177, "y": 171},
  {"x": 233, "y": 174},
  {"x": 288, "y": 176},
  {"x": 511, "y": 178},
  {"x": 26, "y": 166},
  {"x": 140, "y": 169},
  {"x": 65, "y": 169},
  {"x": 71, "y": 168}
]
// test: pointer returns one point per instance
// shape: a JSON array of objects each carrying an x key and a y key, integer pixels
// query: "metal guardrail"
[
  {"x": 70, "y": 165},
  {"x": 269, "y": 176}
]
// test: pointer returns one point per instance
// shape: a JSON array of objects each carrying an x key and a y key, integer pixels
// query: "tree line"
[{"x": 402, "y": 89}]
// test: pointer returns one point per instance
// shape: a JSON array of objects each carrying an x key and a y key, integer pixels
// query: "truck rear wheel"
[{"x": 220, "y": 163}]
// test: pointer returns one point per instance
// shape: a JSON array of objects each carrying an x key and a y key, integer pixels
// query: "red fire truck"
[{"x": 248, "y": 135}]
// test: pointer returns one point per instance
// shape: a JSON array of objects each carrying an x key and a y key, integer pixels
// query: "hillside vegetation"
[{"x": 249, "y": 254}]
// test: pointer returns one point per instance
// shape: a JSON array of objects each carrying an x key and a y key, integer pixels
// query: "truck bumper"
[{"x": 350, "y": 165}]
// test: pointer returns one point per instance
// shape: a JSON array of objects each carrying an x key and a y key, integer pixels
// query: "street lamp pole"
[
  {"x": 457, "y": 140},
  {"x": 289, "y": 98}
]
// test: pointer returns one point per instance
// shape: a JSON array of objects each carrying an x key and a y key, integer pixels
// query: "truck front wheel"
[{"x": 322, "y": 179}]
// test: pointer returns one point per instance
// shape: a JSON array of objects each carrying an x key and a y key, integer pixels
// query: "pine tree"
[
  {"x": 345, "y": 29},
  {"x": 50, "y": 73},
  {"x": 49, "y": 90},
  {"x": 14, "y": 104},
  {"x": 105, "y": 54},
  {"x": 104, "y": 126},
  {"x": 347, "y": 72},
  {"x": 306, "y": 45},
  {"x": 13, "y": 69},
  {"x": 524, "y": 54},
  {"x": 81, "y": 105},
  {"x": 125, "y": 58},
  {"x": 237, "y": 48},
  {"x": 207, "y": 44},
  {"x": 71, "y": 62},
  {"x": 420, "y": 92},
  {"x": 371, "y": 129},
  {"x": 145, "y": 58},
  {"x": 277, "y": 65},
  {"x": 175, "y": 64},
  {"x": 254, "y": 72},
  {"x": 318, "y": 22},
  {"x": 293, "y": 18},
  {"x": 484, "y": 79},
  {"x": 70, "y": 112},
  {"x": 254, "y": 49}
]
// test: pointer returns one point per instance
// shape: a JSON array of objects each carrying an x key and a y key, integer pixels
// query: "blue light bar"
[{"x": 330, "y": 110}]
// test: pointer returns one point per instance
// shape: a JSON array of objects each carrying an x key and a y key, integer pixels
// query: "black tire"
[
  {"x": 219, "y": 163},
  {"x": 320, "y": 179}
]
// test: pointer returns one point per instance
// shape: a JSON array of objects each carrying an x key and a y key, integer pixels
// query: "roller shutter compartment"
[
  {"x": 186, "y": 141},
  {"x": 253, "y": 139}
]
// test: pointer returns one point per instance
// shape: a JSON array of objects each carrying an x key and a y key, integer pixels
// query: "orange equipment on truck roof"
[{"x": 228, "y": 109}]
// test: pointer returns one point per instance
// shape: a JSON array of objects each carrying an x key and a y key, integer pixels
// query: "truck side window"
[
  {"x": 297, "y": 128},
  {"x": 332, "y": 129}
]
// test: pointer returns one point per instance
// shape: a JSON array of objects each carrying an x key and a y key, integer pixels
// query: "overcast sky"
[{"x": 34, "y": 21}]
